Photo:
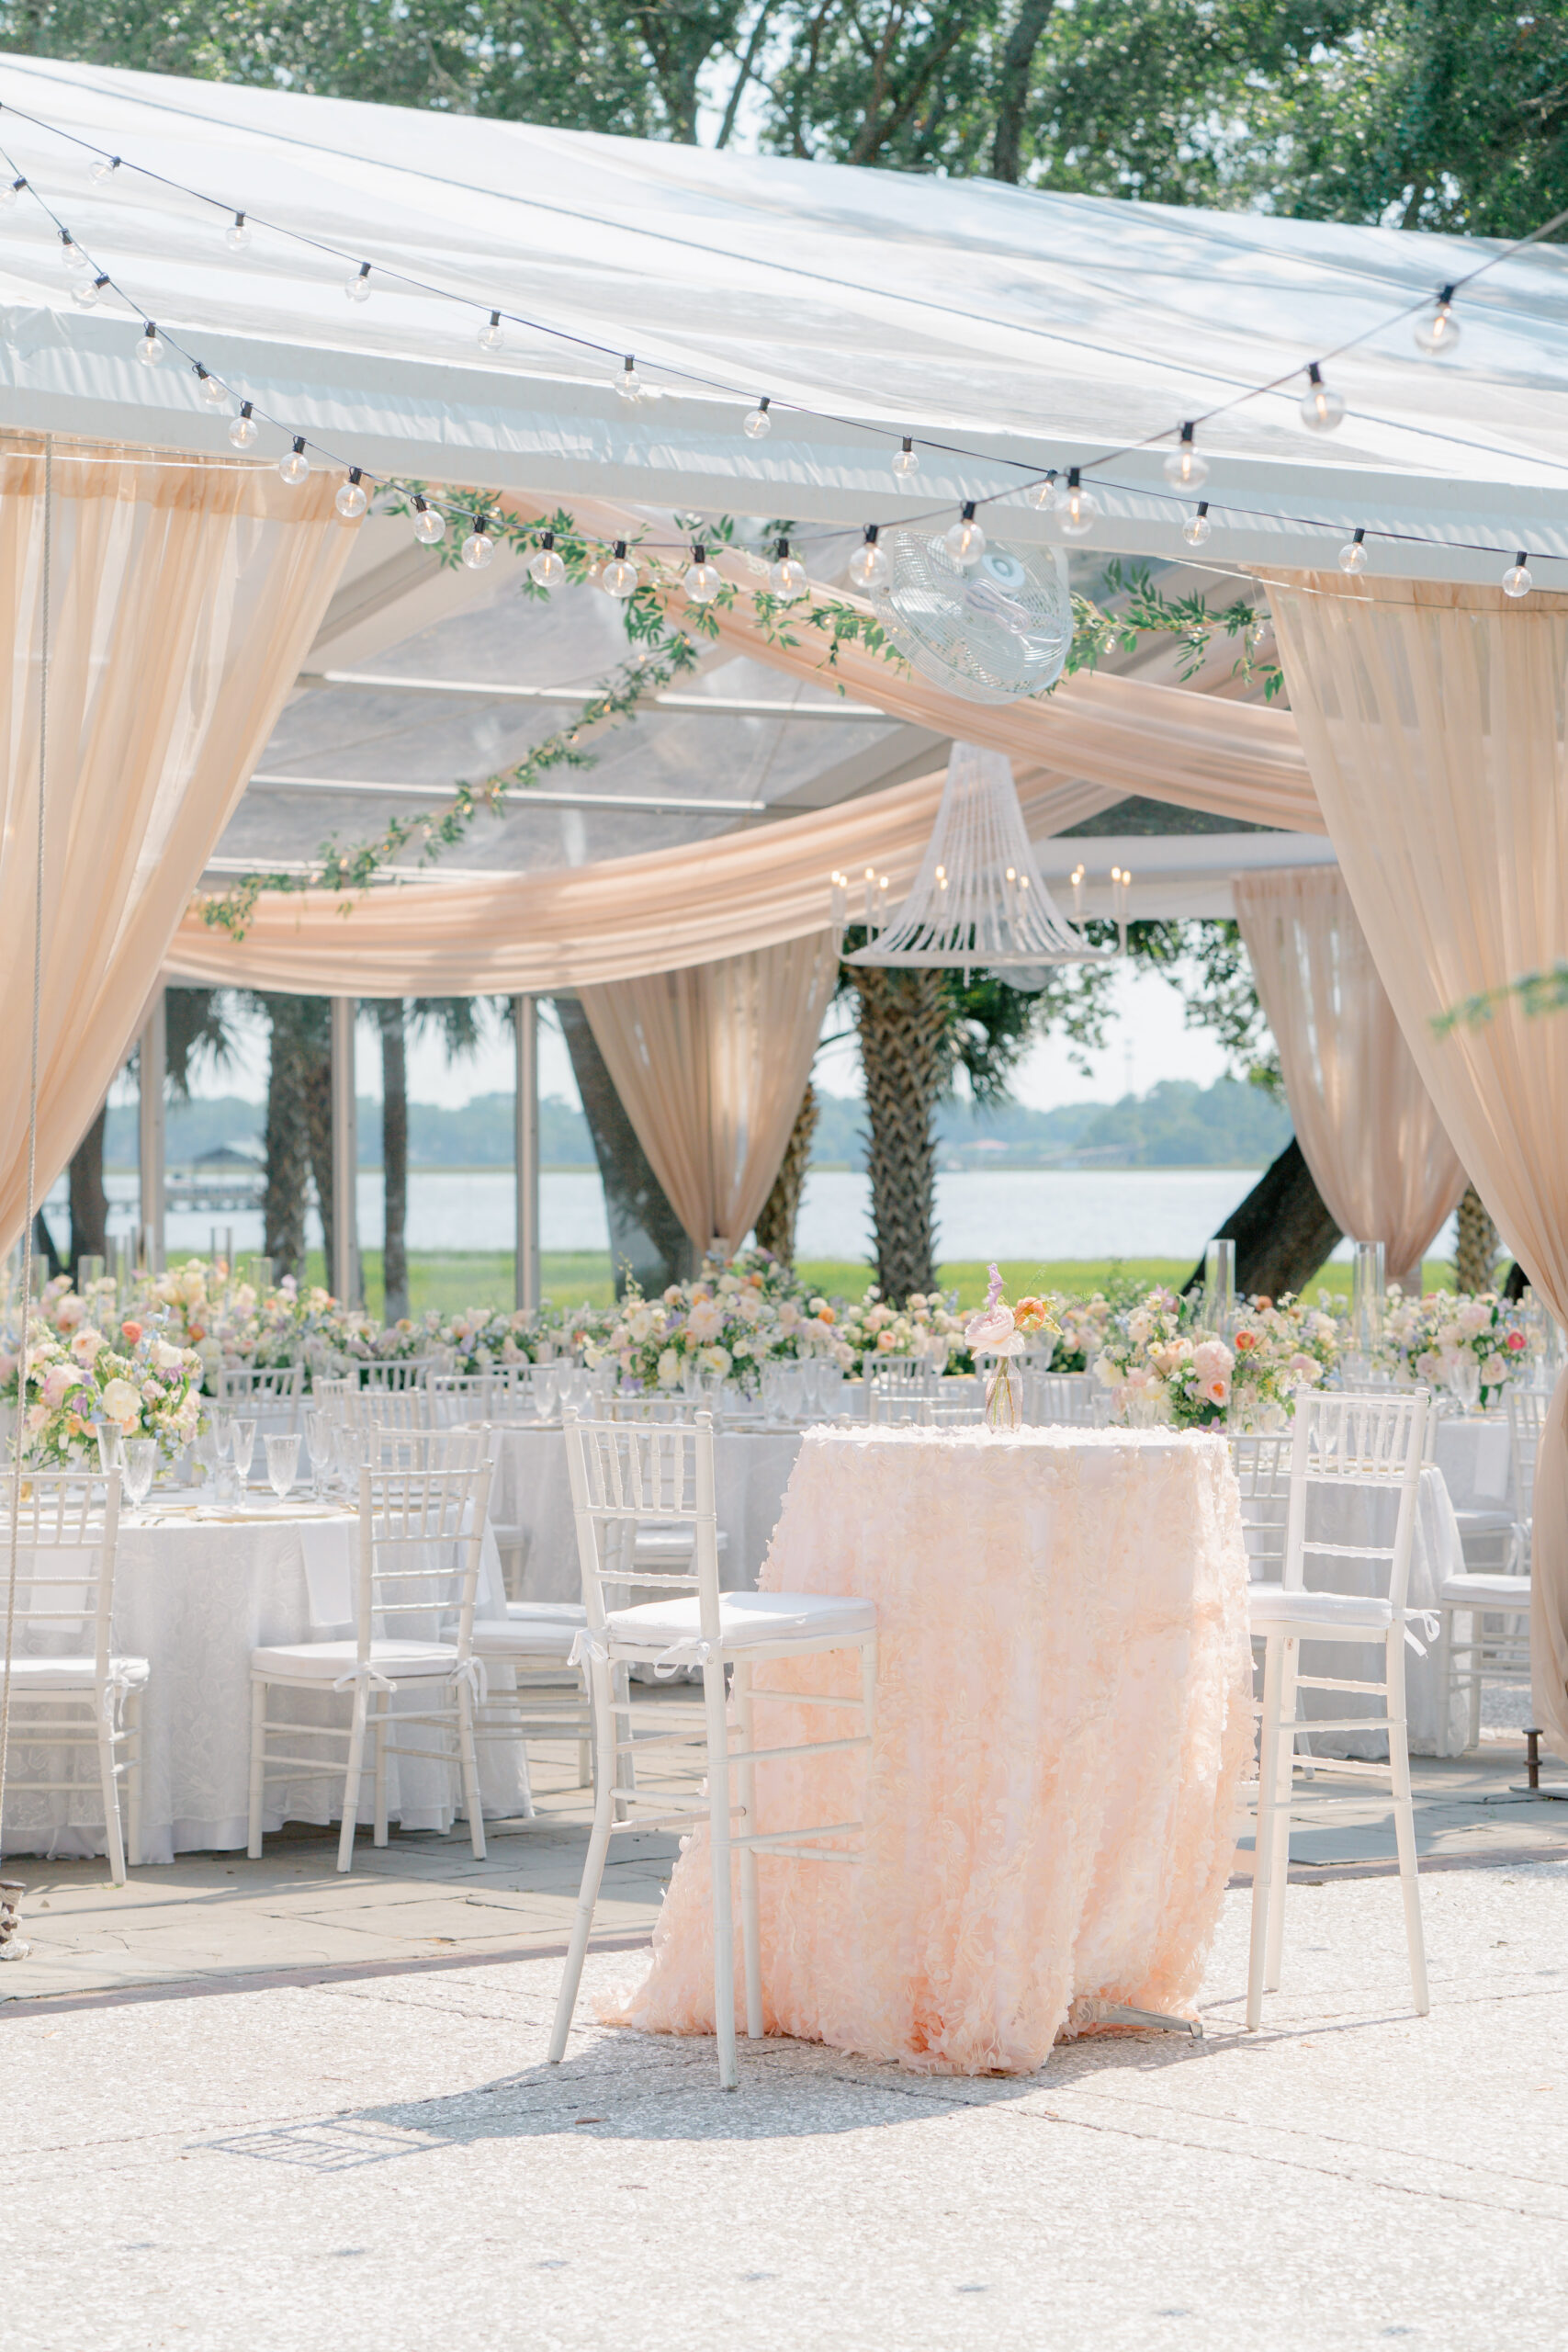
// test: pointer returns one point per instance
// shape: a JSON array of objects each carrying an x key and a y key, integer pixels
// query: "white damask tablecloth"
[{"x": 195, "y": 1593}]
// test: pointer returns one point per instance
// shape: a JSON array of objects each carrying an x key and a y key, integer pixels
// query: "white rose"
[
  {"x": 122, "y": 1405},
  {"x": 669, "y": 1369}
]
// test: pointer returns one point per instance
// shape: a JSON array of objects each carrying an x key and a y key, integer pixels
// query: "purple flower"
[{"x": 995, "y": 1291}]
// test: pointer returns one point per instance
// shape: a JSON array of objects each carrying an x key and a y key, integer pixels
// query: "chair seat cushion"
[
  {"x": 1486, "y": 1593},
  {"x": 554, "y": 1612},
  {"x": 329, "y": 1661},
  {"x": 1353, "y": 1613},
  {"x": 1487, "y": 1521},
  {"x": 520, "y": 1635},
  {"x": 36, "y": 1674},
  {"x": 746, "y": 1620},
  {"x": 654, "y": 1544}
]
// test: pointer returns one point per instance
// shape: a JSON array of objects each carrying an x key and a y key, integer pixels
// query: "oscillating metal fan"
[{"x": 994, "y": 632}]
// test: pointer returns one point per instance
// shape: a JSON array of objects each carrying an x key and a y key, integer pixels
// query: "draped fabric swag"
[
  {"x": 1434, "y": 721},
  {"x": 711, "y": 1063},
  {"x": 1364, "y": 1120},
  {"x": 182, "y": 598}
]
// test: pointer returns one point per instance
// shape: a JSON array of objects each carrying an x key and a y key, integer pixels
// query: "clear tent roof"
[{"x": 1007, "y": 330}]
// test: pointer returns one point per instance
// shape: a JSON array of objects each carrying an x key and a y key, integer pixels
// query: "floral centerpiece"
[
  {"x": 1435, "y": 1338},
  {"x": 129, "y": 1378},
  {"x": 1004, "y": 1331},
  {"x": 1160, "y": 1366},
  {"x": 924, "y": 1327},
  {"x": 1278, "y": 1350},
  {"x": 1082, "y": 1325},
  {"x": 727, "y": 1326}
]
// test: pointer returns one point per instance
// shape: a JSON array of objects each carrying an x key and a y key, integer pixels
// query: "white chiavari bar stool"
[
  {"x": 1493, "y": 1602},
  {"x": 624, "y": 1476},
  {"x": 83, "y": 1696},
  {"x": 275, "y": 1392},
  {"x": 1527, "y": 1411},
  {"x": 418, "y": 1544},
  {"x": 551, "y": 1700},
  {"x": 1373, "y": 1442}
]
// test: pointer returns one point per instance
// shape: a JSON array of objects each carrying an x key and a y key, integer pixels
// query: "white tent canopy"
[{"x": 1023, "y": 330}]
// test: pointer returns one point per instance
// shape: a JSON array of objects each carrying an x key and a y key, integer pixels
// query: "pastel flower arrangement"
[
  {"x": 131, "y": 1377},
  {"x": 925, "y": 1326},
  {"x": 1278, "y": 1350},
  {"x": 1431, "y": 1339},
  {"x": 1161, "y": 1367},
  {"x": 1005, "y": 1331},
  {"x": 725, "y": 1327}
]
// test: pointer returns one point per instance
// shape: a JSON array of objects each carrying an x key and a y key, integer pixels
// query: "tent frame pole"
[
  {"x": 153, "y": 1063},
  {"x": 526, "y": 1020},
  {"x": 343, "y": 1242}
]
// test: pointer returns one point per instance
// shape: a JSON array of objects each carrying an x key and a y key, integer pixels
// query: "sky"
[{"x": 1147, "y": 1042}]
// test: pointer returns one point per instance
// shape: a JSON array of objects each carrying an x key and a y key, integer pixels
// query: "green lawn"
[{"x": 478, "y": 1278}]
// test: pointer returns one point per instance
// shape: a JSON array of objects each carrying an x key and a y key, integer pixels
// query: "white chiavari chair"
[
  {"x": 1056, "y": 1399},
  {"x": 274, "y": 1393},
  {"x": 387, "y": 1408},
  {"x": 1346, "y": 1441},
  {"x": 329, "y": 1389},
  {"x": 418, "y": 1545},
  {"x": 69, "y": 1690},
  {"x": 399, "y": 1373},
  {"x": 1484, "y": 1613},
  {"x": 626, "y": 1476}
]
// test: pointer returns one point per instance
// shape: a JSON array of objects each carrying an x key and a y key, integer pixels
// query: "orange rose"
[
  {"x": 1244, "y": 1341},
  {"x": 131, "y": 1331},
  {"x": 1030, "y": 1315}
]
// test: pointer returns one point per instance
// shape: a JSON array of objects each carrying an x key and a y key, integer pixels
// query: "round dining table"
[
  {"x": 198, "y": 1585},
  {"x": 1063, "y": 1719}
]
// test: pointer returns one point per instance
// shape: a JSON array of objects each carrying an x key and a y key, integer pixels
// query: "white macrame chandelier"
[{"x": 978, "y": 901}]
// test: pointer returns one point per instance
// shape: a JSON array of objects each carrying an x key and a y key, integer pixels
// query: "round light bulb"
[
  {"x": 1184, "y": 468},
  {"x": 629, "y": 383},
  {"x": 238, "y": 232},
  {"x": 619, "y": 576},
  {"x": 12, "y": 189},
  {"x": 757, "y": 423},
  {"x": 1322, "y": 407},
  {"x": 429, "y": 527},
  {"x": 351, "y": 501},
  {"x": 546, "y": 568},
  {"x": 103, "y": 169},
  {"x": 212, "y": 391},
  {"x": 703, "y": 580},
  {"x": 87, "y": 292},
  {"x": 357, "y": 288},
  {"x": 75, "y": 257},
  {"x": 1079, "y": 509},
  {"x": 242, "y": 432},
  {"x": 905, "y": 459},
  {"x": 296, "y": 466},
  {"x": 1353, "y": 554},
  {"x": 1197, "y": 530},
  {"x": 966, "y": 542},
  {"x": 491, "y": 336},
  {"x": 150, "y": 350},
  {"x": 479, "y": 550},
  {"x": 1437, "y": 331},
  {"x": 1516, "y": 581},
  {"x": 869, "y": 567},
  {"x": 786, "y": 577},
  {"x": 1257, "y": 636},
  {"x": 1043, "y": 493}
]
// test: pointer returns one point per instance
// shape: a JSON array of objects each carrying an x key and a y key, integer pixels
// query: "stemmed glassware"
[
  {"x": 139, "y": 1461},
  {"x": 319, "y": 1444},
  {"x": 243, "y": 1438}
]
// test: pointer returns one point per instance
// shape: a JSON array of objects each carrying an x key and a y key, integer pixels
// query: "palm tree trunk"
[
  {"x": 288, "y": 1147},
  {"x": 89, "y": 1202},
  {"x": 319, "y": 1126},
  {"x": 775, "y": 1225},
  {"x": 1282, "y": 1231},
  {"x": 1475, "y": 1261},
  {"x": 394, "y": 1158},
  {"x": 903, "y": 1018}
]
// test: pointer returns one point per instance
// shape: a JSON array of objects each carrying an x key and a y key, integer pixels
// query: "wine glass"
[
  {"x": 243, "y": 1440},
  {"x": 1465, "y": 1381},
  {"x": 138, "y": 1463},
  {"x": 111, "y": 1442},
  {"x": 282, "y": 1462},
  {"x": 204, "y": 1447},
  {"x": 319, "y": 1444}
]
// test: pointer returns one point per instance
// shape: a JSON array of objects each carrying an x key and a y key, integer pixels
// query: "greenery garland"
[{"x": 665, "y": 651}]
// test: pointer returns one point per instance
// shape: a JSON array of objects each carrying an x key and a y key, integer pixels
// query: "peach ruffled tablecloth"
[{"x": 1064, "y": 1713}]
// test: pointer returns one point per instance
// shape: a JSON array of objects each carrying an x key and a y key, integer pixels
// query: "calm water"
[{"x": 1011, "y": 1212}]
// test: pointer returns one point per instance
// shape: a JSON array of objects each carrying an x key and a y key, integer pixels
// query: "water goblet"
[
  {"x": 110, "y": 1448},
  {"x": 243, "y": 1441},
  {"x": 1465, "y": 1382},
  {"x": 791, "y": 1392},
  {"x": 282, "y": 1462},
  {"x": 141, "y": 1460},
  {"x": 222, "y": 1428},
  {"x": 205, "y": 1448}
]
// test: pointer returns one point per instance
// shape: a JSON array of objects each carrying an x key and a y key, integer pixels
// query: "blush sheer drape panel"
[
  {"x": 586, "y": 924},
  {"x": 182, "y": 598},
  {"x": 1434, "y": 721},
  {"x": 711, "y": 1063},
  {"x": 1364, "y": 1120}
]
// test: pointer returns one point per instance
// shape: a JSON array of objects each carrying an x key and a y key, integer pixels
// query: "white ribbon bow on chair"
[
  {"x": 366, "y": 1673},
  {"x": 472, "y": 1672},
  {"x": 1430, "y": 1624}
]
